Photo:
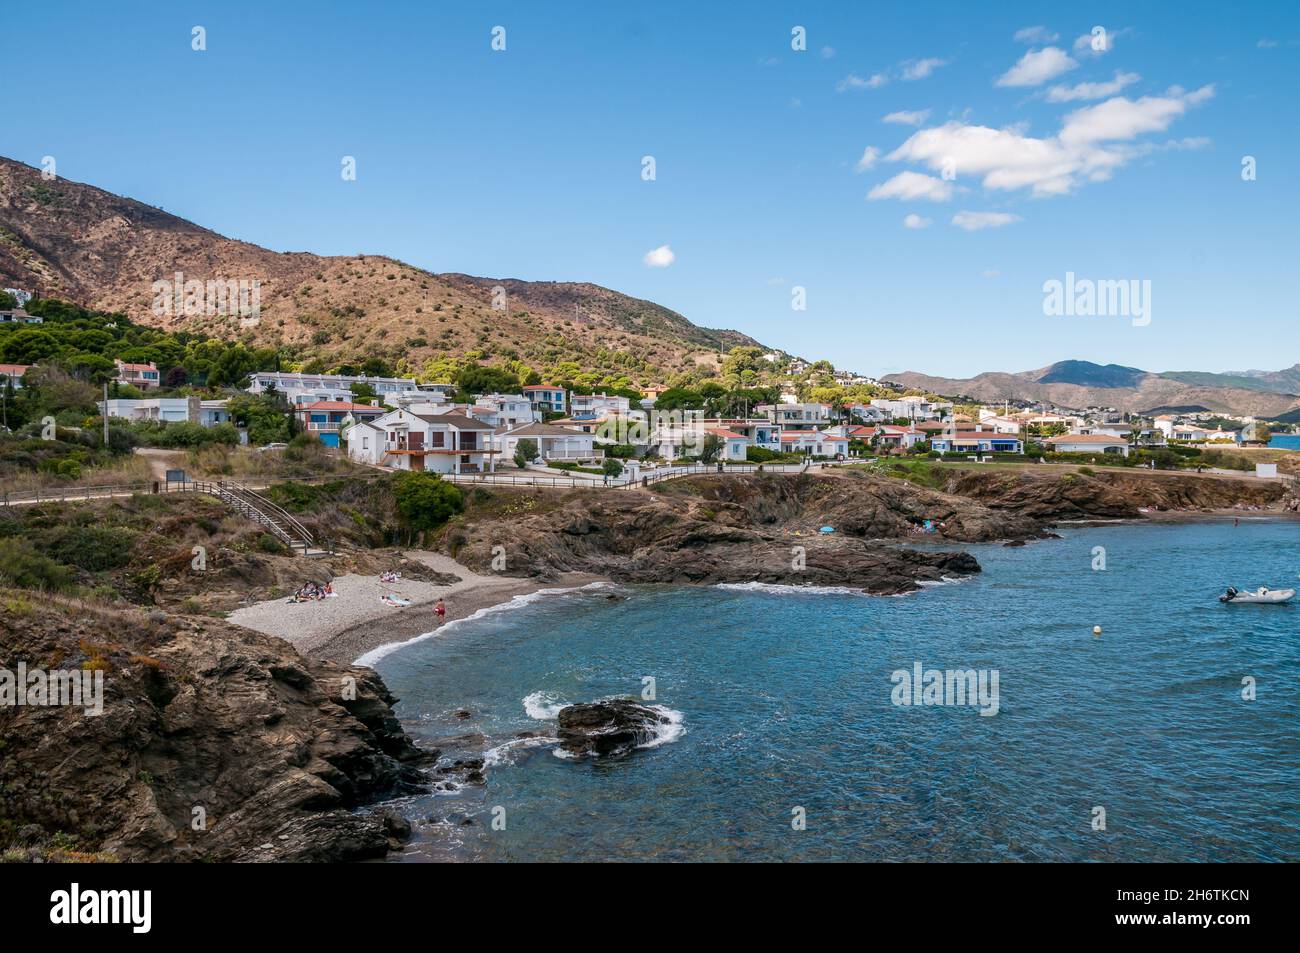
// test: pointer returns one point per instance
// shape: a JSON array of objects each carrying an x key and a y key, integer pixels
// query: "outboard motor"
[{"x": 1229, "y": 595}]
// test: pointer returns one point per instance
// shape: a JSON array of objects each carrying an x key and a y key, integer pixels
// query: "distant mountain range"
[
  {"x": 69, "y": 240},
  {"x": 1082, "y": 384}
]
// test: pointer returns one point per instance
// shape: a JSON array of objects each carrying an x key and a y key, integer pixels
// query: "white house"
[
  {"x": 803, "y": 416},
  {"x": 1088, "y": 443},
  {"x": 553, "y": 443},
  {"x": 733, "y": 444},
  {"x": 13, "y": 373},
  {"x": 976, "y": 441},
  {"x": 505, "y": 410},
  {"x": 590, "y": 406},
  {"x": 310, "y": 388},
  {"x": 213, "y": 412},
  {"x": 815, "y": 443},
  {"x": 162, "y": 409},
  {"x": 439, "y": 443},
  {"x": 911, "y": 408}
]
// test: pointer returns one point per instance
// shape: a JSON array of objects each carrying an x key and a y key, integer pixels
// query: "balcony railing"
[{"x": 592, "y": 454}]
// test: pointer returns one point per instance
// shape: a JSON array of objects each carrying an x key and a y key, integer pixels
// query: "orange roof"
[
  {"x": 725, "y": 433},
  {"x": 17, "y": 369}
]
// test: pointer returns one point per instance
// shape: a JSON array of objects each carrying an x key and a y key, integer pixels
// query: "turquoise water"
[
  {"x": 1285, "y": 441},
  {"x": 785, "y": 704}
]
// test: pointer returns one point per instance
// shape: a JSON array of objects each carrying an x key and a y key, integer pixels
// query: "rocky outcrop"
[
  {"x": 215, "y": 743},
  {"x": 754, "y": 528},
  {"x": 1109, "y": 494},
  {"x": 607, "y": 728}
]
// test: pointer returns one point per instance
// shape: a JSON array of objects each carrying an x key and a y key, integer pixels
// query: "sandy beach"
[{"x": 356, "y": 621}]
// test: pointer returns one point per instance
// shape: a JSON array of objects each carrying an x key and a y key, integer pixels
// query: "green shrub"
[
  {"x": 92, "y": 548},
  {"x": 21, "y": 566},
  {"x": 425, "y": 502},
  {"x": 271, "y": 544}
]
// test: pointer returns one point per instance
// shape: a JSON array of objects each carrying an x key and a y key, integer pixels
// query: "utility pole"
[{"x": 105, "y": 415}]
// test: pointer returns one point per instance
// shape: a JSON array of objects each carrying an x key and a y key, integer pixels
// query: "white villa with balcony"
[
  {"x": 438, "y": 443},
  {"x": 504, "y": 410},
  {"x": 310, "y": 388},
  {"x": 591, "y": 406},
  {"x": 806, "y": 416}
]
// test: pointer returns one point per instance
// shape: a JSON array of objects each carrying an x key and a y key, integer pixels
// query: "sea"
[{"x": 1116, "y": 711}]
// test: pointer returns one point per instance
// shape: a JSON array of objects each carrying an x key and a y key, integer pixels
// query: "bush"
[
  {"x": 424, "y": 502},
  {"x": 612, "y": 467},
  {"x": 23, "y": 567},
  {"x": 271, "y": 544},
  {"x": 763, "y": 455},
  {"x": 92, "y": 548}
]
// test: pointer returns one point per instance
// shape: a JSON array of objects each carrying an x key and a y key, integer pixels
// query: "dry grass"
[{"x": 131, "y": 469}]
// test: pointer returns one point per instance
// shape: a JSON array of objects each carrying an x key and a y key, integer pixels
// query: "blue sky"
[{"x": 527, "y": 163}]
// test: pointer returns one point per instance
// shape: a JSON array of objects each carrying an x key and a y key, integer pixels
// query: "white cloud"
[
  {"x": 828, "y": 52},
  {"x": 1121, "y": 118},
  {"x": 916, "y": 221},
  {"x": 1037, "y": 67},
  {"x": 1266, "y": 44},
  {"x": 1036, "y": 34},
  {"x": 975, "y": 221},
  {"x": 869, "y": 156},
  {"x": 905, "y": 118},
  {"x": 920, "y": 69},
  {"x": 991, "y": 273},
  {"x": 854, "y": 81},
  {"x": 910, "y": 186},
  {"x": 1065, "y": 94},
  {"x": 660, "y": 257},
  {"x": 1091, "y": 144}
]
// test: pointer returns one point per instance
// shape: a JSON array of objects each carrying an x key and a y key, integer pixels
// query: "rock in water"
[{"x": 606, "y": 728}]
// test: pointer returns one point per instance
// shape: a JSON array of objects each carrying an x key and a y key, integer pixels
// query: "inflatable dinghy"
[
  {"x": 396, "y": 601},
  {"x": 1261, "y": 596}
]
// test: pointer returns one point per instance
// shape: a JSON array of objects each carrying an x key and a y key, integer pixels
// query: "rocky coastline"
[{"x": 219, "y": 743}]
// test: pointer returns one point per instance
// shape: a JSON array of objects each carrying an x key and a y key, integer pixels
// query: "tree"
[
  {"x": 7, "y": 301},
  {"x": 478, "y": 379},
  {"x": 710, "y": 448},
  {"x": 424, "y": 501},
  {"x": 612, "y": 468},
  {"x": 525, "y": 452}
]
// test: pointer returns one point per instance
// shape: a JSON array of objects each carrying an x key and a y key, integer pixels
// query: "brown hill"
[
  {"x": 74, "y": 241},
  {"x": 1143, "y": 393}
]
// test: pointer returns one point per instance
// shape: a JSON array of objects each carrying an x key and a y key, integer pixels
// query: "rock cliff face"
[{"x": 215, "y": 743}]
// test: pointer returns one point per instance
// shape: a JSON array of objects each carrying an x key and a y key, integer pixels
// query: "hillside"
[
  {"x": 73, "y": 241},
  {"x": 1081, "y": 384}
]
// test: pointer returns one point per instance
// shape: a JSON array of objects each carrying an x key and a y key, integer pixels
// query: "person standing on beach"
[{"x": 441, "y": 610}]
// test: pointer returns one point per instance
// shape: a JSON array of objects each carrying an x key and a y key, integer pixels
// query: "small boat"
[
  {"x": 396, "y": 602},
  {"x": 1261, "y": 596}
]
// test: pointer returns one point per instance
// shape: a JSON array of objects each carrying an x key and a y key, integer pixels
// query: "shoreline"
[
  {"x": 356, "y": 622},
  {"x": 356, "y": 625}
]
